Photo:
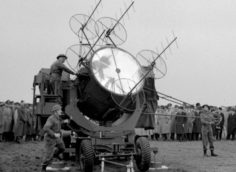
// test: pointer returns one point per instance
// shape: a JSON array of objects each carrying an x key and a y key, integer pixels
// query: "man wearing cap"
[
  {"x": 54, "y": 145},
  {"x": 56, "y": 72},
  {"x": 207, "y": 120}
]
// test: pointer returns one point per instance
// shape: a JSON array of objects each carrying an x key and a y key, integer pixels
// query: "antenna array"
[{"x": 109, "y": 32}]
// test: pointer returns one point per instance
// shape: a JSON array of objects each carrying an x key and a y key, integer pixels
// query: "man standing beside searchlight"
[
  {"x": 207, "y": 135},
  {"x": 56, "y": 72},
  {"x": 54, "y": 145}
]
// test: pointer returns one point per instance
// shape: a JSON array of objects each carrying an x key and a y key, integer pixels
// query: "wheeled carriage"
[{"x": 106, "y": 102}]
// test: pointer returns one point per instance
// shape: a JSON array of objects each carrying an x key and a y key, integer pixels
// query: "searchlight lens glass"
[{"x": 117, "y": 70}]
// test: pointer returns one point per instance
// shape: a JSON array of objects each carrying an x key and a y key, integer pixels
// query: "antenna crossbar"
[
  {"x": 110, "y": 30},
  {"x": 83, "y": 26},
  {"x": 146, "y": 74},
  {"x": 91, "y": 49}
]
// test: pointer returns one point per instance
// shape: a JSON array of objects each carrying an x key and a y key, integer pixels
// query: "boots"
[
  {"x": 58, "y": 157},
  {"x": 43, "y": 168},
  {"x": 57, "y": 154},
  {"x": 205, "y": 153},
  {"x": 213, "y": 154}
]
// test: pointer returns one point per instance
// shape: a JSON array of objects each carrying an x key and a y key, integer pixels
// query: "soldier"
[
  {"x": 220, "y": 125},
  {"x": 33, "y": 122},
  {"x": 230, "y": 123},
  {"x": 54, "y": 145},
  {"x": 207, "y": 120},
  {"x": 147, "y": 119},
  {"x": 19, "y": 122},
  {"x": 174, "y": 111},
  {"x": 180, "y": 120},
  {"x": 56, "y": 72},
  {"x": 1, "y": 120},
  {"x": 164, "y": 121},
  {"x": 156, "y": 132},
  {"x": 196, "y": 122},
  {"x": 188, "y": 128},
  {"x": 233, "y": 124},
  {"x": 7, "y": 120},
  {"x": 29, "y": 123}
]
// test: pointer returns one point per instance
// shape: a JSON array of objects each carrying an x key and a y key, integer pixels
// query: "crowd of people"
[
  {"x": 183, "y": 123},
  {"x": 17, "y": 121}
]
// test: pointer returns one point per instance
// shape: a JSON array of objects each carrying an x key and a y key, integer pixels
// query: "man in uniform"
[
  {"x": 231, "y": 127},
  {"x": 1, "y": 119},
  {"x": 56, "y": 72},
  {"x": 196, "y": 132},
  {"x": 207, "y": 120},
  {"x": 220, "y": 125},
  {"x": 147, "y": 118},
  {"x": 188, "y": 128},
  {"x": 54, "y": 145},
  {"x": 180, "y": 122}
]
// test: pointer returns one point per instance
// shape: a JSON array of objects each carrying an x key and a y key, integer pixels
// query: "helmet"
[
  {"x": 56, "y": 107},
  {"x": 61, "y": 55}
]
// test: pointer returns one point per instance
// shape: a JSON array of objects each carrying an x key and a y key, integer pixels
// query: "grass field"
[
  {"x": 177, "y": 156},
  {"x": 188, "y": 156}
]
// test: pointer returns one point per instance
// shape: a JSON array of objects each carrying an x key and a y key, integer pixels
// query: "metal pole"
[
  {"x": 173, "y": 98},
  {"x": 173, "y": 101},
  {"x": 122, "y": 16},
  {"x": 152, "y": 65},
  {"x": 130, "y": 166},
  {"x": 82, "y": 59},
  {"x": 102, "y": 164},
  {"x": 91, "y": 15},
  {"x": 110, "y": 30}
]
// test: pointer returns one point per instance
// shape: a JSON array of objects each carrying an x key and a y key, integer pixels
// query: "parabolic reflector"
[{"x": 116, "y": 70}]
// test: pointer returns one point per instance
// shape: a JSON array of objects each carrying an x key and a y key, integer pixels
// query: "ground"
[
  {"x": 177, "y": 156},
  {"x": 189, "y": 156}
]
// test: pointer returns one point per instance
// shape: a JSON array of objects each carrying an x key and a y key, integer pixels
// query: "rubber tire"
[
  {"x": 86, "y": 156},
  {"x": 143, "y": 154}
]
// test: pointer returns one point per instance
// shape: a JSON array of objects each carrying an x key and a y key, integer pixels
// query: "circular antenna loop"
[
  {"x": 83, "y": 26},
  {"x": 115, "y": 32},
  {"x": 147, "y": 58}
]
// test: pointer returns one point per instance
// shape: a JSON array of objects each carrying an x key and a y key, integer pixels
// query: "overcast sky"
[{"x": 202, "y": 68}]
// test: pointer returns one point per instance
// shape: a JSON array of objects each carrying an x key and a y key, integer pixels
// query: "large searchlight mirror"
[{"x": 117, "y": 70}]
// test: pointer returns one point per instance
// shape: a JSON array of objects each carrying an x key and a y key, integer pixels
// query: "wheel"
[
  {"x": 143, "y": 154},
  {"x": 86, "y": 156}
]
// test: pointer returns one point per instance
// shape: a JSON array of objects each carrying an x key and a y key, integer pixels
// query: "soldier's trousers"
[
  {"x": 207, "y": 137},
  {"x": 56, "y": 85},
  {"x": 53, "y": 147}
]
